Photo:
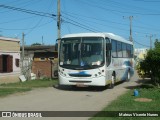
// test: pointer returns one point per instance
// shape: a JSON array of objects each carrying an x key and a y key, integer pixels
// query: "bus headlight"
[
  {"x": 99, "y": 73},
  {"x": 61, "y": 72}
]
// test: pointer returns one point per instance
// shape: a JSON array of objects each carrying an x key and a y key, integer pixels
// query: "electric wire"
[
  {"x": 29, "y": 11},
  {"x": 73, "y": 22},
  {"x": 79, "y": 25},
  {"x": 70, "y": 19},
  {"x": 27, "y": 28},
  {"x": 38, "y": 22},
  {"x": 141, "y": 44},
  {"x": 118, "y": 11},
  {"x": 17, "y": 20},
  {"x": 24, "y": 4}
]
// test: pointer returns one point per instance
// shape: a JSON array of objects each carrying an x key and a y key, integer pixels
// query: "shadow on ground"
[
  {"x": 75, "y": 88},
  {"x": 142, "y": 83},
  {"x": 88, "y": 88}
]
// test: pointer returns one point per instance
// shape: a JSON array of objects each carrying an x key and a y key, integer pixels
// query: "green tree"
[
  {"x": 157, "y": 44},
  {"x": 151, "y": 64}
]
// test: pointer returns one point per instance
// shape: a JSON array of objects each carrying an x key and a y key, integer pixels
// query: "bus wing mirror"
[{"x": 56, "y": 45}]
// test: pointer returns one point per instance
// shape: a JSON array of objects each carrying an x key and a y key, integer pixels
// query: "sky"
[{"x": 37, "y": 19}]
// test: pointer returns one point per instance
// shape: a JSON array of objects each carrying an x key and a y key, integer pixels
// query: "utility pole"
[
  {"x": 23, "y": 52},
  {"x": 130, "y": 19},
  {"x": 58, "y": 20},
  {"x": 58, "y": 23},
  {"x": 42, "y": 41},
  {"x": 131, "y": 38},
  {"x": 150, "y": 38}
]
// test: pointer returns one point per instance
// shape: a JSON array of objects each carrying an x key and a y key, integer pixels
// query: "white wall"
[{"x": 16, "y": 55}]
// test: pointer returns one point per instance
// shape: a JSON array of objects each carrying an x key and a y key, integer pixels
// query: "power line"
[
  {"x": 34, "y": 26},
  {"x": 79, "y": 17},
  {"x": 95, "y": 18},
  {"x": 91, "y": 21},
  {"x": 16, "y": 20},
  {"x": 67, "y": 25},
  {"x": 38, "y": 22},
  {"x": 26, "y": 28},
  {"x": 128, "y": 6},
  {"x": 118, "y": 11},
  {"x": 79, "y": 24},
  {"x": 141, "y": 44},
  {"x": 74, "y": 15},
  {"x": 29, "y": 11},
  {"x": 43, "y": 14},
  {"x": 18, "y": 4}
]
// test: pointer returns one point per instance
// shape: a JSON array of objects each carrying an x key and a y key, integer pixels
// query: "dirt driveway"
[{"x": 64, "y": 99}]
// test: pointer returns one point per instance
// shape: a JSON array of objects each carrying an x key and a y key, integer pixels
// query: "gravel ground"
[{"x": 64, "y": 99}]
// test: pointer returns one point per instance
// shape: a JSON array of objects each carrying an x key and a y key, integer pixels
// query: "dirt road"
[{"x": 64, "y": 99}]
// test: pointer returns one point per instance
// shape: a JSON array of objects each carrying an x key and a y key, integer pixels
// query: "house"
[
  {"x": 42, "y": 60},
  {"x": 9, "y": 60},
  {"x": 45, "y": 64}
]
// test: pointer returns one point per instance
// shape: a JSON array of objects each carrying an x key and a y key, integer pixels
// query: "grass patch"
[
  {"x": 127, "y": 102},
  {"x": 6, "y": 89}
]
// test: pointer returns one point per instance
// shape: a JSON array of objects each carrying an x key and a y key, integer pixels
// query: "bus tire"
[
  {"x": 112, "y": 81},
  {"x": 128, "y": 76}
]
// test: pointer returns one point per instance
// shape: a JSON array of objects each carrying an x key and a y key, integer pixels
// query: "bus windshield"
[{"x": 81, "y": 52}]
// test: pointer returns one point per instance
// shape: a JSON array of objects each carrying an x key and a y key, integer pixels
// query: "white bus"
[{"x": 94, "y": 59}]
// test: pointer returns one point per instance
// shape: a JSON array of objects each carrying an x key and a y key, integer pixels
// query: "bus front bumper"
[{"x": 81, "y": 81}]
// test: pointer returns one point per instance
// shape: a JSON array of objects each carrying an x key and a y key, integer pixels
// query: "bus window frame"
[
  {"x": 108, "y": 48},
  {"x": 129, "y": 49}
]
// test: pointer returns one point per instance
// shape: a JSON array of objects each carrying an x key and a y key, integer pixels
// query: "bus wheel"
[
  {"x": 112, "y": 82},
  {"x": 128, "y": 76}
]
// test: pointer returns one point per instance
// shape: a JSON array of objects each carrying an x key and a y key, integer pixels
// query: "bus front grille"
[
  {"x": 80, "y": 75},
  {"x": 80, "y": 81}
]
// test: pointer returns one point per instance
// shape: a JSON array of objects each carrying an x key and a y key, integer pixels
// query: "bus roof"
[{"x": 109, "y": 35}]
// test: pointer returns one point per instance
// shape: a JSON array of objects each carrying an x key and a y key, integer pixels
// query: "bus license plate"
[{"x": 80, "y": 85}]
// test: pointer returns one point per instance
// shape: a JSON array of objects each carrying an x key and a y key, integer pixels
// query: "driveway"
[{"x": 65, "y": 99}]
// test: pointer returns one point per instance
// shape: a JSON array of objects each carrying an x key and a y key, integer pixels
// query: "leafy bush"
[{"x": 151, "y": 64}]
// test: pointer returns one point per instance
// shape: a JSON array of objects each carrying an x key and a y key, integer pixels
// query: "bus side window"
[
  {"x": 114, "y": 49},
  {"x": 108, "y": 52}
]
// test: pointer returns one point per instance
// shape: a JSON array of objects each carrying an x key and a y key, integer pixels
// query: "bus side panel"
[{"x": 122, "y": 66}]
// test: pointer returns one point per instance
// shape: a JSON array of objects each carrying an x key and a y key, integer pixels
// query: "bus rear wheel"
[
  {"x": 111, "y": 86},
  {"x": 128, "y": 76}
]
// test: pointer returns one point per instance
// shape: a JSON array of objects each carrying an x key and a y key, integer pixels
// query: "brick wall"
[{"x": 42, "y": 68}]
